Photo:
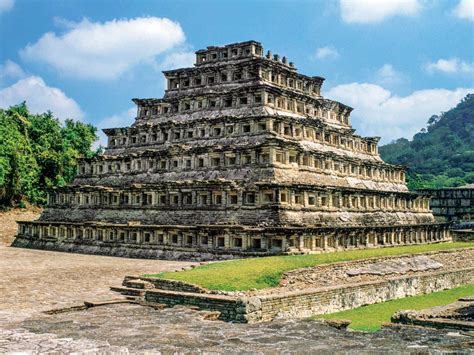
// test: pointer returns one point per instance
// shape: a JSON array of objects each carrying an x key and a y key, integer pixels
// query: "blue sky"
[{"x": 396, "y": 62}]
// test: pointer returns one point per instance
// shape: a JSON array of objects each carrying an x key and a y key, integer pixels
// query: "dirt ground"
[
  {"x": 32, "y": 281},
  {"x": 37, "y": 280},
  {"x": 8, "y": 226}
]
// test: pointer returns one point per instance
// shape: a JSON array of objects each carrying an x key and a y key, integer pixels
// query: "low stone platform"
[
  {"x": 372, "y": 270},
  {"x": 458, "y": 315},
  {"x": 312, "y": 298}
]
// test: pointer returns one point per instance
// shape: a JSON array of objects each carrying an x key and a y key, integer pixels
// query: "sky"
[{"x": 396, "y": 62}]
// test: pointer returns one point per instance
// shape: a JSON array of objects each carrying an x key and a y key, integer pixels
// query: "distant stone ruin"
[
  {"x": 242, "y": 156},
  {"x": 454, "y": 204}
]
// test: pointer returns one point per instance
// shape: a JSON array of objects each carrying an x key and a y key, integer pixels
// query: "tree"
[
  {"x": 441, "y": 155},
  {"x": 38, "y": 153},
  {"x": 18, "y": 168}
]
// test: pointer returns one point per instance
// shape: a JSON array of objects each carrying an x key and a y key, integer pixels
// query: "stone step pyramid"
[{"x": 242, "y": 156}]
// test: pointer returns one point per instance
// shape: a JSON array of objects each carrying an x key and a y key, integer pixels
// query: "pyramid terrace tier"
[
  {"x": 238, "y": 71},
  {"x": 218, "y": 202},
  {"x": 241, "y": 84},
  {"x": 245, "y": 159},
  {"x": 203, "y": 242},
  {"x": 249, "y": 78},
  {"x": 224, "y": 127},
  {"x": 241, "y": 101}
]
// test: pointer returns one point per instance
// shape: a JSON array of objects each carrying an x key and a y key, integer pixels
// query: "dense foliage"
[
  {"x": 441, "y": 155},
  {"x": 37, "y": 152}
]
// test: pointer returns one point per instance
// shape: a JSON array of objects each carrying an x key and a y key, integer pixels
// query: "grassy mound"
[
  {"x": 258, "y": 273},
  {"x": 369, "y": 318}
]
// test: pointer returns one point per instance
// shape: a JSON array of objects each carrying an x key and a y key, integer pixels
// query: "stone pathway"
[{"x": 144, "y": 330}]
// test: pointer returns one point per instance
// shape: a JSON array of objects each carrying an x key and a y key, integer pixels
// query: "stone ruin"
[
  {"x": 453, "y": 204},
  {"x": 241, "y": 157},
  {"x": 458, "y": 315}
]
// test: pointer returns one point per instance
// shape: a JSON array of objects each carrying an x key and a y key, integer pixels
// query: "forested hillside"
[
  {"x": 442, "y": 154},
  {"x": 38, "y": 152}
]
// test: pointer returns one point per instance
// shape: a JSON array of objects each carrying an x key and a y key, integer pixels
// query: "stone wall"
[
  {"x": 231, "y": 309},
  {"x": 169, "y": 285},
  {"x": 307, "y": 303},
  {"x": 173, "y": 216},
  {"x": 463, "y": 235},
  {"x": 300, "y": 304},
  {"x": 453, "y": 204}
]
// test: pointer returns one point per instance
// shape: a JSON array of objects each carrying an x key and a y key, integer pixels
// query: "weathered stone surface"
[
  {"x": 327, "y": 288},
  {"x": 338, "y": 323},
  {"x": 34, "y": 281},
  {"x": 253, "y": 304},
  {"x": 458, "y": 315},
  {"x": 132, "y": 329},
  {"x": 466, "y": 235},
  {"x": 454, "y": 204},
  {"x": 404, "y": 316},
  {"x": 397, "y": 266},
  {"x": 306, "y": 302},
  {"x": 342, "y": 273}
]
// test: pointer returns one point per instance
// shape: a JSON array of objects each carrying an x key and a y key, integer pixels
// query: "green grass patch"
[
  {"x": 370, "y": 318},
  {"x": 258, "y": 273}
]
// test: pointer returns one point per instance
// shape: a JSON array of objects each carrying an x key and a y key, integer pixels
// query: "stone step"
[
  {"x": 126, "y": 291},
  {"x": 138, "y": 284},
  {"x": 90, "y": 304}
]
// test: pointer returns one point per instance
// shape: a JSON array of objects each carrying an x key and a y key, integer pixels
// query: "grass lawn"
[
  {"x": 258, "y": 273},
  {"x": 369, "y": 318}
]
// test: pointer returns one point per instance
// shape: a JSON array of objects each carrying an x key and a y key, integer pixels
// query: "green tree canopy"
[
  {"x": 441, "y": 155},
  {"x": 37, "y": 152}
]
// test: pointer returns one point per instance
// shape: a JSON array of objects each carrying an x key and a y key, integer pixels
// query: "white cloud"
[
  {"x": 465, "y": 10},
  {"x": 40, "y": 98},
  {"x": 6, "y": 5},
  {"x": 178, "y": 60},
  {"x": 104, "y": 51},
  {"x": 11, "y": 70},
  {"x": 327, "y": 52},
  {"x": 378, "y": 112},
  {"x": 375, "y": 11},
  {"x": 388, "y": 75},
  {"x": 450, "y": 66},
  {"x": 122, "y": 119}
]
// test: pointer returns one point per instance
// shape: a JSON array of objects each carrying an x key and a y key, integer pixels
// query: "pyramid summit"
[{"x": 241, "y": 156}]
